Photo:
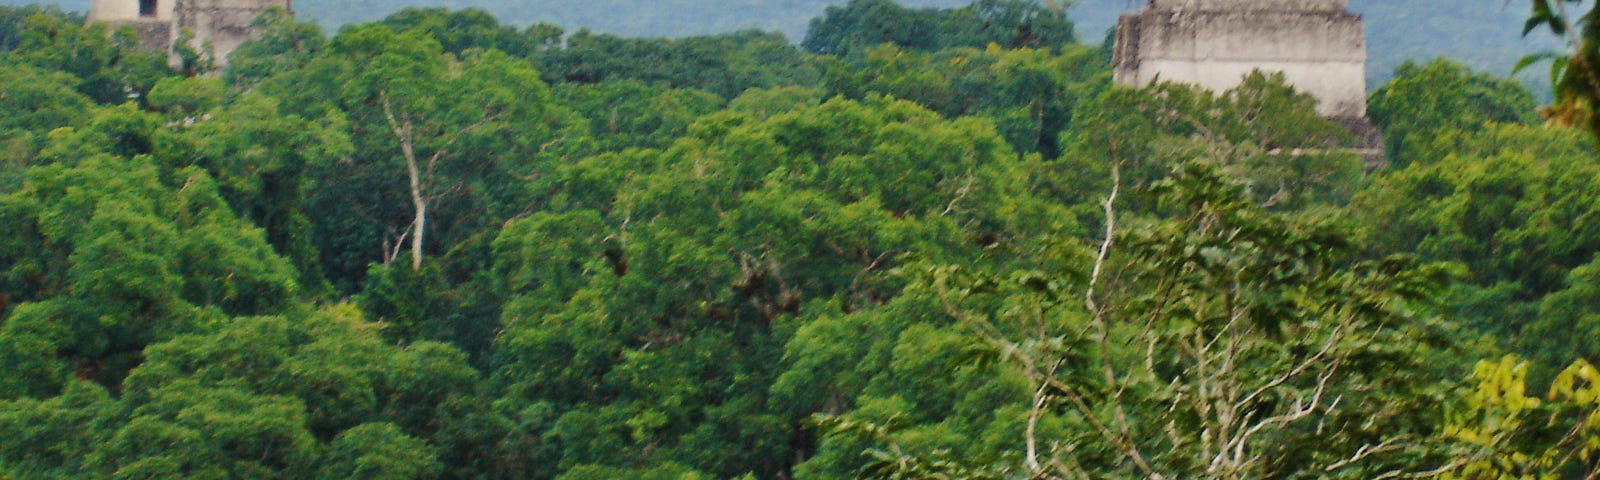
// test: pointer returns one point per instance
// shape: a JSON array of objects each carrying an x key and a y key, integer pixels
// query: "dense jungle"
[{"x": 917, "y": 243}]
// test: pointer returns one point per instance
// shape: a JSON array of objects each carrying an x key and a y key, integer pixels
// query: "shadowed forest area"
[{"x": 917, "y": 243}]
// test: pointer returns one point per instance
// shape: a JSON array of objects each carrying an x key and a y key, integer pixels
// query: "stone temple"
[
  {"x": 1318, "y": 45},
  {"x": 220, "y": 25}
]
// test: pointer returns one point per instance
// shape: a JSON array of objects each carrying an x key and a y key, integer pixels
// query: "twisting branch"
[
  {"x": 404, "y": 132},
  {"x": 1368, "y": 451},
  {"x": 1302, "y": 367},
  {"x": 419, "y": 174},
  {"x": 391, "y": 252},
  {"x": 1123, "y": 443},
  {"x": 1427, "y": 474},
  {"x": 1122, "y": 437},
  {"x": 1109, "y": 205},
  {"x": 1040, "y": 397},
  {"x": 1185, "y": 356},
  {"x": 1100, "y": 323}
]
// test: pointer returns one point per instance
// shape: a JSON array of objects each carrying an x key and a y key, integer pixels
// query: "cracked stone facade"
[
  {"x": 1318, "y": 45},
  {"x": 217, "y": 26}
]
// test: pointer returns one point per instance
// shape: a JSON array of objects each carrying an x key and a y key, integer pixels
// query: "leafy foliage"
[
  {"x": 1511, "y": 435},
  {"x": 861, "y": 24},
  {"x": 1222, "y": 345},
  {"x": 1424, "y": 101},
  {"x": 726, "y": 64},
  {"x": 1510, "y": 204},
  {"x": 727, "y": 257}
]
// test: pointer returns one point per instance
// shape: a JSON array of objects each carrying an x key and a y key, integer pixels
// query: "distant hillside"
[
  {"x": 1480, "y": 33},
  {"x": 1484, "y": 34}
]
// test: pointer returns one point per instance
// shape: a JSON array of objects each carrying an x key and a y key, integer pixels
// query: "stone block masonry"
[
  {"x": 224, "y": 24},
  {"x": 218, "y": 25},
  {"x": 1319, "y": 47},
  {"x": 1252, "y": 5}
]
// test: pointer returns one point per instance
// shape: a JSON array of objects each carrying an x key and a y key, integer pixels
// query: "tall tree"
[
  {"x": 1220, "y": 341},
  {"x": 1514, "y": 205},
  {"x": 1030, "y": 94},
  {"x": 109, "y": 252},
  {"x": 648, "y": 318},
  {"x": 439, "y": 114},
  {"x": 1422, "y": 101},
  {"x": 725, "y": 64},
  {"x": 851, "y": 29},
  {"x": 109, "y": 66}
]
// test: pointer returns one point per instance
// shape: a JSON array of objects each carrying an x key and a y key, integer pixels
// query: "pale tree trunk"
[
  {"x": 419, "y": 224},
  {"x": 1236, "y": 411},
  {"x": 403, "y": 132}
]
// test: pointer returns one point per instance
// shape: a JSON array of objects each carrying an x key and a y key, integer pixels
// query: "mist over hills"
[{"x": 1484, "y": 34}]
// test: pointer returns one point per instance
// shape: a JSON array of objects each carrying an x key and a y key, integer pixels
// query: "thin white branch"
[
  {"x": 1458, "y": 463},
  {"x": 1105, "y": 245},
  {"x": 961, "y": 193},
  {"x": 1327, "y": 347},
  {"x": 1366, "y": 451},
  {"x": 1039, "y": 400}
]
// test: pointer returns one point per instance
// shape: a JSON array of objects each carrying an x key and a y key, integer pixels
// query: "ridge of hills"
[{"x": 1483, "y": 34}]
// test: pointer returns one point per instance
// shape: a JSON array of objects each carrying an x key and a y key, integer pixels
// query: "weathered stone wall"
[
  {"x": 1267, "y": 36},
  {"x": 1247, "y": 5},
  {"x": 221, "y": 24},
  {"x": 1213, "y": 43},
  {"x": 224, "y": 24},
  {"x": 127, "y": 10},
  {"x": 153, "y": 34}
]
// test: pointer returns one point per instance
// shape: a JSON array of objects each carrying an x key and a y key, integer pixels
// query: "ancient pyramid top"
[
  {"x": 1251, "y": 5},
  {"x": 1318, "y": 47}
]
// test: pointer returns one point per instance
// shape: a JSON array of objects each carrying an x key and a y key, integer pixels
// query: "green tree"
[
  {"x": 283, "y": 45},
  {"x": 626, "y": 114},
  {"x": 655, "y": 305},
  {"x": 1505, "y": 434},
  {"x": 460, "y": 30},
  {"x": 109, "y": 254},
  {"x": 866, "y": 23},
  {"x": 260, "y": 156},
  {"x": 1218, "y": 341},
  {"x": 1512, "y": 204},
  {"x": 436, "y": 137},
  {"x": 1566, "y": 322},
  {"x": 726, "y": 64},
  {"x": 378, "y": 451},
  {"x": 184, "y": 430},
  {"x": 1261, "y": 131},
  {"x": 1422, "y": 101},
  {"x": 14, "y": 21},
  {"x": 51, "y": 438},
  {"x": 665, "y": 472},
  {"x": 1036, "y": 24},
  {"x": 1031, "y": 94},
  {"x": 365, "y": 404},
  {"x": 109, "y": 66},
  {"x": 37, "y": 101},
  {"x": 851, "y": 29}
]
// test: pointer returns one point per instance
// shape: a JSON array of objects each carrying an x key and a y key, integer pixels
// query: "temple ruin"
[
  {"x": 1318, "y": 45},
  {"x": 216, "y": 27}
]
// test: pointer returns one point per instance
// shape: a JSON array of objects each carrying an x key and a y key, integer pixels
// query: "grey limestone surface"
[
  {"x": 218, "y": 26},
  {"x": 1318, "y": 46}
]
